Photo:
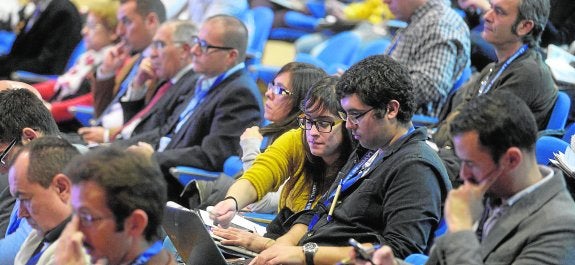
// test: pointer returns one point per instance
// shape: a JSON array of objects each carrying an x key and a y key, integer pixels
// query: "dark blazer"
[
  {"x": 212, "y": 133},
  {"x": 537, "y": 229},
  {"x": 157, "y": 116},
  {"x": 46, "y": 48}
]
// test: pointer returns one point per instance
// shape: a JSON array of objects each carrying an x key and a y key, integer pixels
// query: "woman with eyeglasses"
[
  {"x": 282, "y": 97},
  {"x": 309, "y": 158}
]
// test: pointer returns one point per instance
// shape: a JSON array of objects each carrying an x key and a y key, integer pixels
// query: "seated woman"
[
  {"x": 73, "y": 87},
  {"x": 309, "y": 159},
  {"x": 288, "y": 88}
]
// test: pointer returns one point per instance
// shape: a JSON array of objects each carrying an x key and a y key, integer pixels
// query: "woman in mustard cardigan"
[{"x": 309, "y": 158}]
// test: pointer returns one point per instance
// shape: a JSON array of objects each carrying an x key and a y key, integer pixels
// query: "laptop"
[{"x": 192, "y": 240}]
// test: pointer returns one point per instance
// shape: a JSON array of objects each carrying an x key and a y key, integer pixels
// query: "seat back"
[
  {"x": 372, "y": 48},
  {"x": 465, "y": 75},
  {"x": 78, "y": 50},
  {"x": 263, "y": 19},
  {"x": 560, "y": 112},
  {"x": 416, "y": 259},
  {"x": 339, "y": 49},
  {"x": 546, "y": 146}
]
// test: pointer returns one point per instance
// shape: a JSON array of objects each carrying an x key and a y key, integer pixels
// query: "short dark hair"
[
  {"x": 501, "y": 119},
  {"x": 377, "y": 80},
  {"x": 235, "y": 33},
  {"x": 145, "y": 7},
  {"x": 131, "y": 181},
  {"x": 20, "y": 108},
  {"x": 47, "y": 157},
  {"x": 536, "y": 11}
]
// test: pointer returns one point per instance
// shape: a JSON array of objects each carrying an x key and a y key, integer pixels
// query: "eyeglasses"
[
  {"x": 87, "y": 220},
  {"x": 353, "y": 118},
  {"x": 6, "y": 151},
  {"x": 158, "y": 44},
  {"x": 204, "y": 46},
  {"x": 278, "y": 89},
  {"x": 321, "y": 126}
]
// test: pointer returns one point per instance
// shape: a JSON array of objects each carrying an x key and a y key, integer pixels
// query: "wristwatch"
[{"x": 309, "y": 250}]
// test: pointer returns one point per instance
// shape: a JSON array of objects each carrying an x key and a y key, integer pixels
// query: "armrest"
[
  {"x": 186, "y": 174},
  {"x": 422, "y": 120},
  {"x": 29, "y": 77},
  {"x": 84, "y": 114}
]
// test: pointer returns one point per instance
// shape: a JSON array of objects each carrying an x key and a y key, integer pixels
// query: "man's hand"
[
  {"x": 382, "y": 256},
  {"x": 145, "y": 73},
  {"x": 464, "y": 205},
  {"x": 142, "y": 148},
  {"x": 114, "y": 59},
  {"x": 278, "y": 254},
  {"x": 69, "y": 250},
  {"x": 92, "y": 135}
]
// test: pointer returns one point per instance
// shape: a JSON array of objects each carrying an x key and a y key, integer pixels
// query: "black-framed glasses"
[
  {"x": 204, "y": 45},
  {"x": 278, "y": 89},
  {"x": 353, "y": 118},
  {"x": 87, "y": 220},
  {"x": 321, "y": 125},
  {"x": 6, "y": 151}
]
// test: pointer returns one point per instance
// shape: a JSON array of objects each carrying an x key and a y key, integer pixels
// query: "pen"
[{"x": 335, "y": 197}]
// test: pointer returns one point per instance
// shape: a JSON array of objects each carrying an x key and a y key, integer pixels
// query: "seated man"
[
  {"x": 18, "y": 126},
  {"x": 520, "y": 68},
  {"x": 391, "y": 189},
  {"x": 206, "y": 129},
  {"x": 119, "y": 199},
  {"x": 434, "y": 47},
  {"x": 509, "y": 209},
  {"x": 43, "y": 193}
]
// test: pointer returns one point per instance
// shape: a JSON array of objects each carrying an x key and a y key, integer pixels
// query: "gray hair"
[{"x": 536, "y": 11}]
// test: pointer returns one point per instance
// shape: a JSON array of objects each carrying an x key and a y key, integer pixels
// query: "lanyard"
[
  {"x": 486, "y": 87},
  {"x": 312, "y": 196},
  {"x": 148, "y": 254},
  {"x": 370, "y": 158}
]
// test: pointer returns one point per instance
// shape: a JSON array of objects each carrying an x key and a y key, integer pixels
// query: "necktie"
[
  {"x": 199, "y": 94},
  {"x": 493, "y": 213},
  {"x": 161, "y": 91}
]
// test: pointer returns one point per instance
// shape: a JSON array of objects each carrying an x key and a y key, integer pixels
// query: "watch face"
[{"x": 310, "y": 247}]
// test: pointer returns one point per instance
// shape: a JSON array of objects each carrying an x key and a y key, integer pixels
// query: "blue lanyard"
[
  {"x": 148, "y": 254},
  {"x": 369, "y": 159},
  {"x": 486, "y": 87},
  {"x": 312, "y": 196}
]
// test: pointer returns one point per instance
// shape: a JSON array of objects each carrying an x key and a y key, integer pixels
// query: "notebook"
[{"x": 192, "y": 240}]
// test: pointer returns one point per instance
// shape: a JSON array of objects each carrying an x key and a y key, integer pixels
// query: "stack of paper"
[
  {"x": 566, "y": 161},
  {"x": 559, "y": 61}
]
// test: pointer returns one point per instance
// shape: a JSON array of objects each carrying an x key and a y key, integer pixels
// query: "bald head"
[{"x": 9, "y": 84}]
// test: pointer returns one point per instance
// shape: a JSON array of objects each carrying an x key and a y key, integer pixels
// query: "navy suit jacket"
[
  {"x": 212, "y": 132},
  {"x": 46, "y": 48}
]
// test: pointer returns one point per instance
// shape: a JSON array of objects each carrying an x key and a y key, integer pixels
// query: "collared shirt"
[{"x": 435, "y": 49}]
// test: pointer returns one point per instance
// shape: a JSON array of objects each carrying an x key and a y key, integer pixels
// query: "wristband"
[{"x": 236, "y": 201}]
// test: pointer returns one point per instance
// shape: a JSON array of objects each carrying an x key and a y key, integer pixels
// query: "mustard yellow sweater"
[{"x": 282, "y": 160}]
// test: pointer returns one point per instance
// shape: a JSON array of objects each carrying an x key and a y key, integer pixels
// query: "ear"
[
  {"x": 63, "y": 186},
  {"x": 29, "y": 134},
  {"x": 512, "y": 158},
  {"x": 152, "y": 20},
  {"x": 136, "y": 223},
  {"x": 233, "y": 57},
  {"x": 392, "y": 109},
  {"x": 524, "y": 27}
]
